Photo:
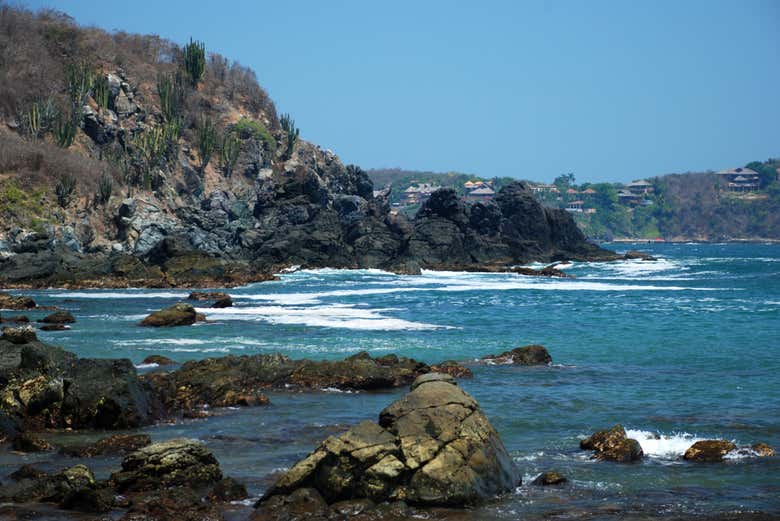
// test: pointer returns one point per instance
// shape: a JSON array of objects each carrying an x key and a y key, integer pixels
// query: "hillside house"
[
  {"x": 739, "y": 180},
  {"x": 629, "y": 198},
  {"x": 418, "y": 194},
  {"x": 484, "y": 193},
  {"x": 575, "y": 206},
  {"x": 640, "y": 188}
]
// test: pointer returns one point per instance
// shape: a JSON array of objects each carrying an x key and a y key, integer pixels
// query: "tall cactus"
[
  {"x": 65, "y": 129},
  {"x": 288, "y": 125},
  {"x": 80, "y": 80},
  {"x": 171, "y": 90},
  {"x": 105, "y": 189},
  {"x": 195, "y": 61},
  {"x": 64, "y": 189},
  {"x": 39, "y": 118},
  {"x": 100, "y": 91},
  {"x": 206, "y": 141},
  {"x": 228, "y": 152}
]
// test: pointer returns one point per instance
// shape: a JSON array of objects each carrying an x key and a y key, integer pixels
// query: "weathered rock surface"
[
  {"x": 527, "y": 355},
  {"x": 17, "y": 302},
  {"x": 763, "y": 450},
  {"x": 547, "y": 271},
  {"x": 207, "y": 295},
  {"x": 452, "y": 368},
  {"x": 224, "y": 302},
  {"x": 158, "y": 359},
  {"x": 19, "y": 335},
  {"x": 613, "y": 445},
  {"x": 709, "y": 450},
  {"x": 434, "y": 446},
  {"x": 177, "y": 315},
  {"x": 74, "y": 488},
  {"x": 26, "y": 442},
  {"x": 177, "y": 462}
]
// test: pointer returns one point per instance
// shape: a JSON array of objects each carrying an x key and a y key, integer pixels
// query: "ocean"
[{"x": 678, "y": 349}]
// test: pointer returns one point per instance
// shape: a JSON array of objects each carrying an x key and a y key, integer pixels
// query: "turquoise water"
[{"x": 686, "y": 347}]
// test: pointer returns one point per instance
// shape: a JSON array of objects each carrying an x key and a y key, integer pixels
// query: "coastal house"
[
  {"x": 484, "y": 193},
  {"x": 575, "y": 206},
  {"x": 572, "y": 191},
  {"x": 640, "y": 188},
  {"x": 739, "y": 180},
  {"x": 629, "y": 198},
  {"x": 588, "y": 192},
  {"x": 418, "y": 194}
]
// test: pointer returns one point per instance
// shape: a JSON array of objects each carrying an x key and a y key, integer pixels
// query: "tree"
[{"x": 564, "y": 181}]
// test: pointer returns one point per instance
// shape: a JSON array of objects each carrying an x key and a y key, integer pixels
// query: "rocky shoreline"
[{"x": 432, "y": 448}]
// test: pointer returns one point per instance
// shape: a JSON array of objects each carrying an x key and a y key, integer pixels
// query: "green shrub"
[
  {"x": 248, "y": 128},
  {"x": 194, "y": 61}
]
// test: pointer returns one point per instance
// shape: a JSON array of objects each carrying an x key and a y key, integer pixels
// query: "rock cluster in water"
[
  {"x": 613, "y": 445},
  {"x": 434, "y": 446}
]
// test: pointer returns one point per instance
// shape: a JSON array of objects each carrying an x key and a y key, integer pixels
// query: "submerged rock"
[
  {"x": 158, "y": 359},
  {"x": 27, "y": 442},
  {"x": 112, "y": 445},
  {"x": 55, "y": 327},
  {"x": 528, "y": 355},
  {"x": 763, "y": 450},
  {"x": 18, "y": 319},
  {"x": 547, "y": 271},
  {"x": 74, "y": 488},
  {"x": 177, "y": 315},
  {"x": 225, "y": 302},
  {"x": 59, "y": 317},
  {"x": 211, "y": 295},
  {"x": 549, "y": 478},
  {"x": 638, "y": 255},
  {"x": 434, "y": 446},
  {"x": 709, "y": 450},
  {"x": 613, "y": 445}
]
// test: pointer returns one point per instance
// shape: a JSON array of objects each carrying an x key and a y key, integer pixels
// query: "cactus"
[
  {"x": 206, "y": 141},
  {"x": 171, "y": 90},
  {"x": 100, "y": 91},
  {"x": 228, "y": 152},
  {"x": 39, "y": 118},
  {"x": 80, "y": 80},
  {"x": 105, "y": 188},
  {"x": 194, "y": 61},
  {"x": 288, "y": 125},
  {"x": 65, "y": 130},
  {"x": 64, "y": 189}
]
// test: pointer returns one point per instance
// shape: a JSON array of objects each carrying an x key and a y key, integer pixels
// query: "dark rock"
[
  {"x": 158, "y": 359},
  {"x": 638, "y": 255},
  {"x": 59, "y": 317},
  {"x": 549, "y": 478},
  {"x": 27, "y": 472},
  {"x": 613, "y": 445},
  {"x": 88, "y": 499},
  {"x": 527, "y": 355},
  {"x": 178, "y": 462},
  {"x": 547, "y": 271},
  {"x": 709, "y": 450},
  {"x": 55, "y": 327},
  {"x": 8, "y": 301},
  {"x": 19, "y": 335},
  {"x": 225, "y": 302},
  {"x": 27, "y": 442},
  {"x": 452, "y": 368},
  {"x": 228, "y": 489},
  {"x": 177, "y": 315},
  {"x": 54, "y": 488},
  {"x": 112, "y": 445},
  {"x": 179, "y": 503},
  {"x": 432, "y": 447},
  {"x": 19, "y": 319}
]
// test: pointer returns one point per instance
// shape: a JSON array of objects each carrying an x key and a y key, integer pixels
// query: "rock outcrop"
[
  {"x": 548, "y": 478},
  {"x": 180, "y": 314},
  {"x": 613, "y": 445},
  {"x": 709, "y": 450},
  {"x": 528, "y": 355},
  {"x": 434, "y": 446},
  {"x": 59, "y": 317},
  {"x": 16, "y": 302},
  {"x": 112, "y": 445}
]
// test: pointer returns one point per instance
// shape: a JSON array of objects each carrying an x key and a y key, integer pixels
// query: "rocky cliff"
[{"x": 206, "y": 185}]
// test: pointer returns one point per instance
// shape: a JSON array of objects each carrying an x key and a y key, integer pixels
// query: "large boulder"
[
  {"x": 613, "y": 445},
  {"x": 177, "y": 315},
  {"x": 434, "y": 446},
  {"x": 709, "y": 450},
  {"x": 527, "y": 355},
  {"x": 59, "y": 317},
  {"x": 19, "y": 335},
  {"x": 177, "y": 462},
  {"x": 74, "y": 488}
]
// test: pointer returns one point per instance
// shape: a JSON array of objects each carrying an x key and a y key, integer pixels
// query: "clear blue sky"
[{"x": 609, "y": 90}]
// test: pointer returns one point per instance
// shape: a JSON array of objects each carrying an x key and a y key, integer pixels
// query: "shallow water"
[{"x": 686, "y": 347}]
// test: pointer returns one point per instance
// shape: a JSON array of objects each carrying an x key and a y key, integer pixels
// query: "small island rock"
[
  {"x": 177, "y": 315},
  {"x": 528, "y": 355},
  {"x": 59, "y": 317},
  {"x": 613, "y": 445},
  {"x": 709, "y": 450}
]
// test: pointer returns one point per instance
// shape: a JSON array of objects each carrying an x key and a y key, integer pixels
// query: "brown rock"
[
  {"x": 19, "y": 319},
  {"x": 8, "y": 301},
  {"x": 27, "y": 472},
  {"x": 112, "y": 445},
  {"x": 708, "y": 450},
  {"x": 202, "y": 295},
  {"x": 225, "y": 302},
  {"x": 19, "y": 335},
  {"x": 158, "y": 359},
  {"x": 763, "y": 450},
  {"x": 55, "y": 327},
  {"x": 27, "y": 442},
  {"x": 452, "y": 368},
  {"x": 177, "y": 315},
  {"x": 613, "y": 445}
]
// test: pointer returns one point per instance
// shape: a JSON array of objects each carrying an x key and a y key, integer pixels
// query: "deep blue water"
[{"x": 686, "y": 346}]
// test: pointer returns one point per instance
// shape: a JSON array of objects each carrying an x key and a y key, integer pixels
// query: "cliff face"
[{"x": 171, "y": 216}]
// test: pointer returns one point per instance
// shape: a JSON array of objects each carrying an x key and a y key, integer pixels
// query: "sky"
[{"x": 609, "y": 90}]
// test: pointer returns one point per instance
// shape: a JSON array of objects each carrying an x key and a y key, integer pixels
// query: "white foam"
[
  {"x": 667, "y": 447},
  {"x": 147, "y": 366},
  {"x": 124, "y": 295},
  {"x": 345, "y": 316}
]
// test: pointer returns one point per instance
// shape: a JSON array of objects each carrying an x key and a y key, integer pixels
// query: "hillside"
[
  {"x": 130, "y": 160},
  {"x": 680, "y": 207}
]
